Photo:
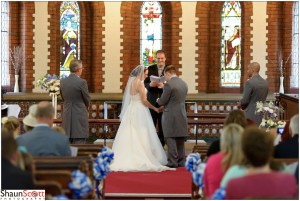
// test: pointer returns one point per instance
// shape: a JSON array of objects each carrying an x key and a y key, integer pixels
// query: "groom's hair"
[{"x": 171, "y": 69}]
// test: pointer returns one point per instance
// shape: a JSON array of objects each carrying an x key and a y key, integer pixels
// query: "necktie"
[{"x": 160, "y": 70}]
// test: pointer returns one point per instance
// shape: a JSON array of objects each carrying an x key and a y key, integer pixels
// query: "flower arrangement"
[
  {"x": 17, "y": 58},
  {"x": 270, "y": 113},
  {"x": 50, "y": 83},
  {"x": 194, "y": 165}
]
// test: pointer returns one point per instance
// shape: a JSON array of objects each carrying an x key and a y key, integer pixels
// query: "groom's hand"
[
  {"x": 160, "y": 85},
  {"x": 161, "y": 109}
]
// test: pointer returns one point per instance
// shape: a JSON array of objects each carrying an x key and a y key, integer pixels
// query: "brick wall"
[
  {"x": 130, "y": 34},
  {"x": 91, "y": 41},
  {"x": 280, "y": 21},
  {"x": 208, "y": 36},
  {"x": 21, "y": 33},
  {"x": 209, "y": 45}
]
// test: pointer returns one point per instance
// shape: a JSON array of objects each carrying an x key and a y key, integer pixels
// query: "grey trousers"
[
  {"x": 176, "y": 151},
  {"x": 77, "y": 140}
]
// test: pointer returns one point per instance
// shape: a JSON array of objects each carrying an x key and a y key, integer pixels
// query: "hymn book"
[{"x": 157, "y": 79}]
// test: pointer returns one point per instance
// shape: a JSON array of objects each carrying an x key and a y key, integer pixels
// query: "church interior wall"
[{"x": 110, "y": 37}]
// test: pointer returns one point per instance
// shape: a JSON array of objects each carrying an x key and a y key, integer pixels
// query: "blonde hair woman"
[
  {"x": 230, "y": 154},
  {"x": 12, "y": 124},
  {"x": 231, "y": 145}
]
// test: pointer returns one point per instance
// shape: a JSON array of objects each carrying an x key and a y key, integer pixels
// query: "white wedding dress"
[{"x": 136, "y": 146}]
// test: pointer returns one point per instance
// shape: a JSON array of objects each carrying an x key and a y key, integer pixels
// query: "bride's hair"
[{"x": 137, "y": 71}]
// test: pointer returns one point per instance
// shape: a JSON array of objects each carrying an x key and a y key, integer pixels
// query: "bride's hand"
[{"x": 156, "y": 109}]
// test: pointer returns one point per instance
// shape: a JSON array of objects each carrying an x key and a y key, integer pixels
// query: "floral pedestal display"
[
  {"x": 270, "y": 115},
  {"x": 54, "y": 103},
  {"x": 16, "y": 87},
  {"x": 52, "y": 85}
]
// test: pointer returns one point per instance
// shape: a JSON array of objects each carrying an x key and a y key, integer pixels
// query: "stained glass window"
[
  {"x": 295, "y": 48},
  {"x": 231, "y": 44},
  {"x": 4, "y": 44},
  {"x": 151, "y": 32},
  {"x": 70, "y": 34}
]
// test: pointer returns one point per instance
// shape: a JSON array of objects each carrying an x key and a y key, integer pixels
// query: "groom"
[{"x": 174, "y": 119}]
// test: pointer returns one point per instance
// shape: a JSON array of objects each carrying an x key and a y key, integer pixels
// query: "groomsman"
[
  {"x": 174, "y": 119},
  {"x": 75, "y": 94},
  {"x": 256, "y": 89}
]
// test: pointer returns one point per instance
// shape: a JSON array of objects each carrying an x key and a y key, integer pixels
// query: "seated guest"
[
  {"x": 235, "y": 116},
  {"x": 286, "y": 135},
  {"x": 290, "y": 147},
  {"x": 217, "y": 164},
  {"x": 260, "y": 180},
  {"x": 59, "y": 129},
  {"x": 12, "y": 177},
  {"x": 43, "y": 140},
  {"x": 25, "y": 162},
  {"x": 30, "y": 121},
  {"x": 4, "y": 111},
  {"x": 12, "y": 125},
  {"x": 297, "y": 173}
]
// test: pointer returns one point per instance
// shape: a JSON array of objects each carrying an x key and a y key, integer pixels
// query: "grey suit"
[
  {"x": 174, "y": 119},
  {"x": 256, "y": 89},
  {"x": 75, "y": 94},
  {"x": 44, "y": 141}
]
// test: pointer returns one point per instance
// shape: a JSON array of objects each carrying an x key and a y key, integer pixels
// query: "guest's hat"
[
  {"x": 3, "y": 107},
  {"x": 30, "y": 119}
]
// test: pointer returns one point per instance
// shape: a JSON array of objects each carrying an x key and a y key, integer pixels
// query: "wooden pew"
[
  {"x": 52, "y": 188},
  {"x": 202, "y": 150},
  {"x": 88, "y": 149},
  {"x": 63, "y": 177},
  {"x": 207, "y": 116},
  {"x": 286, "y": 161},
  {"x": 53, "y": 165}
]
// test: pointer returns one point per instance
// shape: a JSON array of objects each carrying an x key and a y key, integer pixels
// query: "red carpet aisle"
[{"x": 168, "y": 184}]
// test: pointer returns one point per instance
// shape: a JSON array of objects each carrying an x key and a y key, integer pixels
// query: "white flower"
[
  {"x": 270, "y": 113},
  {"x": 50, "y": 83}
]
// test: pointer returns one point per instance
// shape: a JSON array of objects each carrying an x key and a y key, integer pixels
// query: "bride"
[{"x": 136, "y": 146}]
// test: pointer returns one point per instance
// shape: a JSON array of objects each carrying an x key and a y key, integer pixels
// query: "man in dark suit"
[
  {"x": 256, "y": 89},
  {"x": 12, "y": 177},
  {"x": 75, "y": 94},
  {"x": 155, "y": 90},
  {"x": 43, "y": 140},
  {"x": 290, "y": 148},
  {"x": 174, "y": 119}
]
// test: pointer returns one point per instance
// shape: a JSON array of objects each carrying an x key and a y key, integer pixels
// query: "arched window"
[
  {"x": 4, "y": 43},
  {"x": 295, "y": 48},
  {"x": 151, "y": 32},
  {"x": 70, "y": 34},
  {"x": 231, "y": 45}
]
